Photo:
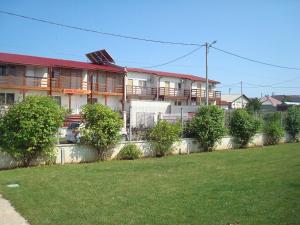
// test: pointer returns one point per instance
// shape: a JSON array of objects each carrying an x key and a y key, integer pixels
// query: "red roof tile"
[
  {"x": 49, "y": 62},
  {"x": 169, "y": 74}
]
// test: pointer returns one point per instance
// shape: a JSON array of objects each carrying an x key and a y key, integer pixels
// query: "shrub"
[
  {"x": 163, "y": 135},
  {"x": 253, "y": 105},
  {"x": 129, "y": 151},
  {"x": 28, "y": 130},
  {"x": 293, "y": 122},
  {"x": 243, "y": 126},
  {"x": 101, "y": 129},
  {"x": 208, "y": 126},
  {"x": 273, "y": 129}
]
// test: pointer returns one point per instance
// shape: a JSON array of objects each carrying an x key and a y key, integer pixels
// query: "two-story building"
[{"x": 130, "y": 91}]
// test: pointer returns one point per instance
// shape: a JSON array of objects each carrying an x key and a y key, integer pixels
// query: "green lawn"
[{"x": 257, "y": 186}]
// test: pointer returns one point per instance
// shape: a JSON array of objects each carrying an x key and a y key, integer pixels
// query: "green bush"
[
  {"x": 28, "y": 130},
  {"x": 293, "y": 122},
  {"x": 273, "y": 129},
  {"x": 101, "y": 129},
  {"x": 253, "y": 106},
  {"x": 243, "y": 126},
  {"x": 129, "y": 151},
  {"x": 207, "y": 126},
  {"x": 163, "y": 135}
]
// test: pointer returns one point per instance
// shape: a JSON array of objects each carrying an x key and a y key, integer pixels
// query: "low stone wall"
[{"x": 72, "y": 153}]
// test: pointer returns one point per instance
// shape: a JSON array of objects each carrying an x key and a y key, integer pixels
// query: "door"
[
  {"x": 130, "y": 86},
  {"x": 110, "y": 84},
  {"x": 167, "y": 87}
]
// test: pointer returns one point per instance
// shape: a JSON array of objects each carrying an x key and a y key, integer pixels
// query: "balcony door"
[
  {"x": 109, "y": 84},
  {"x": 167, "y": 87},
  {"x": 130, "y": 86}
]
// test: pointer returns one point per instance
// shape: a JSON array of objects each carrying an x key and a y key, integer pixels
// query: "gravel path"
[{"x": 8, "y": 215}]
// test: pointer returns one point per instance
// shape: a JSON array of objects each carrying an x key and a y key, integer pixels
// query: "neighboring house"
[
  {"x": 288, "y": 99},
  {"x": 233, "y": 101},
  {"x": 269, "y": 103},
  {"x": 73, "y": 84}
]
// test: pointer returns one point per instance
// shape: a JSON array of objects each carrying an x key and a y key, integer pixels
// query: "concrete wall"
[{"x": 81, "y": 153}]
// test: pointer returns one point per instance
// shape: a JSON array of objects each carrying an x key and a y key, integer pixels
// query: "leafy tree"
[
  {"x": 243, "y": 126},
  {"x": 293, "y": 122},
  {"x": 101, "y": 129},
  {"x": 130, "y": 151},
  {"x": 253, "y": 106},
  {"x": 28, "y": 129},
  {"x": 163, "y": 135},
  {"x": 207, "y": 126},
  {"x": 272, "y": 128}
]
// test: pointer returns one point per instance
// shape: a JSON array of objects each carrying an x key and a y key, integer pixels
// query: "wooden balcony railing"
[
  {"x": 173, "y": 92},
  {"x": 101, "y": 88},
  {"x": 66, "y": 82},
  {"x": 201, "y": 93},
  {"x": 20, "y": 82},
  {"x": 141, "y": 91}
]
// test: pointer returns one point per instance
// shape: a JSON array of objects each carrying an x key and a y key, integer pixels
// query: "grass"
[{"x": 254, "y": 186}]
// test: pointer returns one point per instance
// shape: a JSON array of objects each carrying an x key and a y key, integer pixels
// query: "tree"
[
  {"x": 163, "y": 135},
  {"x": 101, "y": 129},
  {"x": 208, "y": 126},
  {"x": 293, "y": 122},
  {"x": 253, "y": 106},
  {"x": 243, "y": 126},
  {"x": 28, "y": 130},
  {"x": 272, "y": 128}
]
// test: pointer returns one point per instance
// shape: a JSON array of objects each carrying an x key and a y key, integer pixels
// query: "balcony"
[
  {"x": 110, "y": 89},
  {"x": 174, "y": 93},
  {"x": 24, "y": 83},
  {"x": 201, "y": 93},
  {"x": 141, "y": 92}
]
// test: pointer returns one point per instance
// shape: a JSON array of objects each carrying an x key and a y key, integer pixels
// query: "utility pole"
[
  {"x": 206, "y": 74},
  {"x": 242, "y": 94},
  {"x": 207, "y": 45}
]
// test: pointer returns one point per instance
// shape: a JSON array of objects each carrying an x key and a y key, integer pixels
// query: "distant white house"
[
  {"x": 233, "y": 101},
  {"x": 269, "y": 103}
]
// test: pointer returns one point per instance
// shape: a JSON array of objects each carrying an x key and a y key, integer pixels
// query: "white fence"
[{"x": 81, "y": 153}]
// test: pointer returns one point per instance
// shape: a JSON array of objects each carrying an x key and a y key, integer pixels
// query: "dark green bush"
[
  {"x": 28, "y": 130},
  {"x": 272, "y": 128},
  {"x": 293, "y": 122},
  {"x": 207, "y": 126},
  {"x": 243, "y": 126},
  {"x": 163, "y": 135},
  {"x": 129, "y": 151}
]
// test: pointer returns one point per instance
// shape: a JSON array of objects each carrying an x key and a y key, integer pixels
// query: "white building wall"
[
  {"x": 144, "y": 106},
  {"x": 151, "y": 80}
]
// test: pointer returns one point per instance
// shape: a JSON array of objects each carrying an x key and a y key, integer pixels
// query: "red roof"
[
  {"x": 49, "y": 62},
  {"x": 168, "y": 74}
]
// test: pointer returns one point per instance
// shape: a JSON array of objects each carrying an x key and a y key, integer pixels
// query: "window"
[
  {"x": 2, "y": 98},
  {"x": 179, "y": 85},
  {"x": 57, "y": 99},
  {"x": 94, "y": 100},
  {"x": 10, "y": 98},
  {"x": 3, "y": 71},
  {"x": 142, "y": 83},
  {"x": 178, "y": 103},
  {"x": 7, "y": 98}
]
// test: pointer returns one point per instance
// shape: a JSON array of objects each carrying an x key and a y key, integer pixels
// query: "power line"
[
  {"x": 255, "y": 61},
  {"x": 176, "y": 59},
  {"x": 96, "y": 31}
]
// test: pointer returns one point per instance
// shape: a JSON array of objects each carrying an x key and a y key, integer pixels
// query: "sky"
[{"x": 266, "y": 30}]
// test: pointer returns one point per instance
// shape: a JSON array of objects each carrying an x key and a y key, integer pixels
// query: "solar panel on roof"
[{"x": 100, "y": 57}]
